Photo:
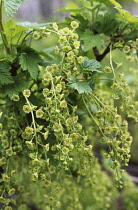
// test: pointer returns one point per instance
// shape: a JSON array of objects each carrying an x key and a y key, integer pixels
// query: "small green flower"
[
  {"x": 5, "y": 144},
  {"x": 15, "y": 97},
  {"x": 65, "y": 31},
  {"x": 45, "y": 82},
  {"x": 75, "y": 69},
  {"x": 2, "y": 200},
  {"x": 46, "y": 34},
  {"x": 63, "y": 104},
  {"x": 21, "y": 188},
  {"x": 36, "y": 35},
  {"x": 71, "y": 146},
  {"x": 43, "y": 28},
  {"x": 58, "y": 88},
  {"x": 39, "y": 113},
  {"x": 108, "y": 130},
  {"x": 80, "y": 59},
  {"x": 70, "y": 54},
  {"x": 52, "y": 169},
  {"x": 8, "y": 208},
  {"x": 27, "y": 93},
  {"x": 27, "y": 109},
  {"x": 45, "y": 92},
  {"x": 66, "y": 48},
  {"x": 5, "y": 178},
  {"x": 115, "y": 86},
  {"x": 121, "y": 41},
  {"x": 36, "y": 162},
  {"x": 107, "y": 69},
  {"x": 11, "y": 191},
  {"x": 54, "y": 67},
  {"x": 57, "y": 127},
  {"x": 69, "y": 121},
  {"x": 76, "y": 51},
  {"x": 4, "y": 137},
  {"x": 46, "y": 135},
  {"x": 79, "y": 126},
  {"x": 13, "y": 132},
  {"x": 55, "y": 26},
  {"x": 65, "y": 150},
  {"x": 29, "y": 130},
  {"x": 75, "y": 119},
  {"x": 1, "y": 126},
  {"x": 126, "y": 49},
  {"x": 57, "y": 50},
  {"x": 48, "y": 68},
  {"x": 34, "y": 176},
  {"x": 76, "y": 44},
  {"x": 3, "y": 161},
  {"x": 47, "y": 147},
  {"x": 74, "y": 36},
  {"x": 74, "y": 24},
  {"x": 47, "y": 161},
  {"x": 136, "y": 45},
  {"x": 47, "y": 76},
  {"x": 62, "y": 39},
  {"x": 9, "y": 152},
  {"x": 30, "y": 145},
  {"x": 49, "y": 101}
]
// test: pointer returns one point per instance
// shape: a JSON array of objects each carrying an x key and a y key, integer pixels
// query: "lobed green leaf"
[
  {"x": 90, "y": 40},
  {"x": 11, "y": 6},
  {"x": 91, "y": 65},
  {"x": 19, "y": 85},
  {"x": 29, "y": 60},
  {"x": 5, "y": 75},
  {"x": 80, "y": 86}
]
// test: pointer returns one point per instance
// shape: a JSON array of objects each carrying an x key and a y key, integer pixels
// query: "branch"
[
  {"x": 98, "y": 56},
  {"x": 2, "y": 32}
]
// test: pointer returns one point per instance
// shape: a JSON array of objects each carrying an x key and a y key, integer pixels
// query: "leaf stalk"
[{"x": 2, "y": 32}]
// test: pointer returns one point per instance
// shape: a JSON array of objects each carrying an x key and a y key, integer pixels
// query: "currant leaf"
[
  {"x": 29, "y": 60},
  {"x": 90, "y": 40},
  {"x": 11, "y": 6},
  {"x": 80, "y": 86},
  {"x": 91, "y": 65},
  {"x": 19, "y": 85},
  {"x": 5, "y": 75}
]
